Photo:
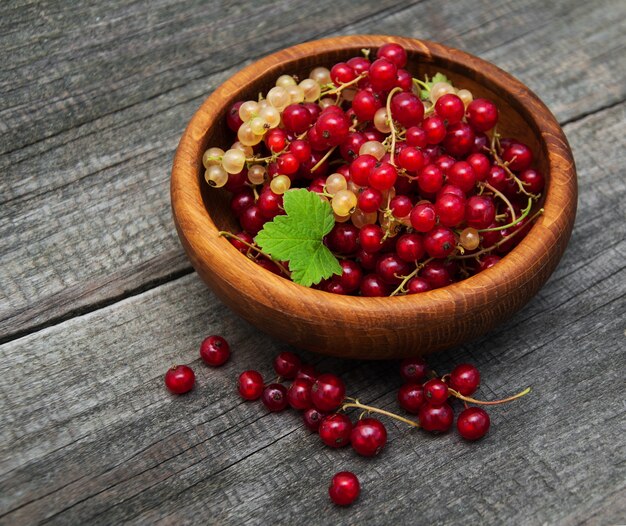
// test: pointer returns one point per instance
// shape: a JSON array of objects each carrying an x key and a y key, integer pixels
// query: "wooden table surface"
[{"x": 98, "y": 299}]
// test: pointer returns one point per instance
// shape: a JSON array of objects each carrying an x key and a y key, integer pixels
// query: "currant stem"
[
  {"x": 487, "y": 402},
  {"x": 371, "y": 409},
  {"x": 406, "y": 278},
  {"x": 341, "y": 87},
  {"x": 503, "y": 197},
  {"x": 230, "y": 235},
  {"x": 525, "y": 212},
  {"x": 392, "y": 125},
  {"x": 321, "y": 161},
  {"x": 496, "y": 245}
]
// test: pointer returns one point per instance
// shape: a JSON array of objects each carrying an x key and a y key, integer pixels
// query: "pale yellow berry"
[
  {"x": 335, "y": 182},
  {"x": 354, "y": 188},
  {"x": 381, "y": 121},
  {"x": 212, "y": 156},
  {"x": 343, "y": 202},
  {"x": 360, "y": 218},
  {"x": 270, "y": 115},
  {"x": 296, "y": 94},
  {"x": 257, "y": 174},
  {"x": 246, "y": 135},
  {"x": 278, "y": 97},
  {"x": 259, "y": 126},
  {"x": 439, "y": 89},
  {"x": 284, "y": 81},
  {"x": 348, "y": 94},
  {"x": 466, "y": 96},
  {"x": 248, "y": 110},
  {"x": 320, "y": 75},
  {"x": 216, "y": 176},
  {"x": 280, "y": 184},
  {"x": 233, "y": 161},
  {"x": 326, "y": 102},
  {"x": 373, "y": 148},
  {"x": 245, "y": 149},
  {"x": 341, "y": 219},
  {"x": 311, "y": 90},
  {"x": 470, "y": 238}
]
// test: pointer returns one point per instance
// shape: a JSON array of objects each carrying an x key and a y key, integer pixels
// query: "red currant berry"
[
  {"x": 335, "y": 430},
  {"x": 436, "y": 274},
  {"x": 518, "y": 155},
  {"x": 179, "y": 379},
  {"x": 383, "y": 176},
  {"x": 359, "y": 64},
  {"x": 393, "y": 53},
  {"x": 343, "y": 239},
  {"x": 416, "y": 137},
  {"x": 276, "y": 140},
  {"x": 430, "y": 179},
  {"x": 328, "y": 392},
  {"x": 297, "y": 119},
  {"x": 473, "y": 423},
  {"x": 404, "y": 80},
  {"x": 465, "y": 379},
  {"x": 250, "y": 385},
  {"x": 480, "y": 211},
  {"x": 237, "y": 182},
  {"x": 411, "y": 397},
  {"x": 411, "y": 159},
  {"x": 459, "y": 139},
  {"x": 423, "y": 217},
  {"x": 299, "y": 394},
  {"x": 417, "y": 285},
  {"x": 450, "y": 108},
  {"x": 312, "y": 419},
  {"x": 241, "y": 201},
  {"x": 341, "y": 73},
  {"x": 407, "y": 109},
  {"x": 383, "y": 74},
  {"x": 274, "y": 397},
  {"x": 233, "y": 120},
  {"x": 410, "y": 247},
  {"x": 371, "y": 237},
  {"x": 344, "y": 488},
  {"x": 252, "y": 220},
  {"x": 237, "y": 242},
  {"x": 373, "y": 285},
  {"x": 392, "y": 269},
  {"x": 349, "y": 148},
  {"x": 365, "y": 104},
  {"x": 440, "y": 242},
  {"x": 533, "y": 181},
  {"x": 436, "y": 418},
  {"x": 333, "y": 128},
  {"x": 482, "y": 114},
  {"x": 361, "y": 168},
  {"x": 270, "y": 204},
  {"x": 462, "y": 174},
  {"x": 450, "y": 209},
  {"x": 435, "y": 129},
  {"x": 215, "y": 351},
  {"x": 401, "y": 206},
  {"x": 368, "y": 437},
  {"x": 436, "y": 392},
  {"x": 369, "y": 200},
  {"x": 480, "y": 164},
  {"x": 351, "y": 275},
  {"x": 413, "y": 369},
  {"x": 301, "y": 149},
  {"x": 488, "y": 262},
  {"x": 287, "y": 364}
]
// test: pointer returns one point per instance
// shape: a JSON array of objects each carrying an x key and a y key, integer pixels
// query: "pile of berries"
[
  {"x": 424, "y": 190},
  {"x": 324, "y": 405}
]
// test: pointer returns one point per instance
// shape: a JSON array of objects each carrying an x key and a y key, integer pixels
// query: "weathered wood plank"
[
  {"x": 92, "y": 436},
  {"x": 114, "y": 132}
]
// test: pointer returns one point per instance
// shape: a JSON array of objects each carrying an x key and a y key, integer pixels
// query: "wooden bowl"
[{"x": 359, "y": 327}]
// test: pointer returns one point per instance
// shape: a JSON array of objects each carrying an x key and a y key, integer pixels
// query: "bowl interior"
[{"x": 514, "y": 120}]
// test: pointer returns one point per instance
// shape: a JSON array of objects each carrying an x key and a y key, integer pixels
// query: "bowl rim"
[{"x": 192, "y": 218}]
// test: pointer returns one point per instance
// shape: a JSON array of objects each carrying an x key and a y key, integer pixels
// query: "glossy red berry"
[
  {"x": 383, "y": 74},
  {"x": 371, "y": 237},
  {"x": 532, "y": 180},
  {"x": 296, "y": 118},
  {"x": 450, "y": 108},
  {"x": 436, "y": 392},
  {"x": 343, "y": 239},
  {"x": 393, "y": 53},
  {"x": 344, "y": 488},
  {"x": 413, "y": 369},
  {"x": 407, "y": 109},
  {"x": 365, "y": 104},
  {"x": 392, "y": 269},
  {"x": 250, "y": 385},
  {"x": 370, "y": 200},
  {"x": 252, "y": 220},
  {"x": 410, "y": 247},
  {"x": 459, "y": 139},
  {"x": 411, "y": 397},
  {"x": 411, "y": 159},
  {"x": 423, "y": 217},
  {"x": 214, "y": 351},
  {"x": 368, "y": 437},
  {"x": 482, "y": 114},
  {"x": 328, "y": 392},
  {"x": 341, "y": 73},
  {"x": 383, "y": 176},
  {"x": 518, "y": 155},
  {"x": 372, "y": 285},
  {"x": 440, "y": 242},
  {"x": 179, "y": 379},
  {"x": 480, "y": 211},
  {"x": 233, "y": 121},
  {"x": 465, "y": 378},
  {"x": 274, "y": 397},
  {"x": 401, "y": 206},
  {"x": 473, "y": 423},
  {"x": 335, "y": 430},
  {"x": 436, "y": 418},
  {"x": 462, "y": 174},
  {"x": 312, "y": 419},
  {"x": 416, "y": 137},
  {"x": 430, "y": 179},
  {"x": 287, "y": 364},
  {"x": 333, "y": 127},
  {"x": 436, "y": 274},
  {"x": 450, "y": 210},
  {"x": 435, "y": 129},
  {"x": 417, "y": 285},
  {"x": 299, "y": 394}
]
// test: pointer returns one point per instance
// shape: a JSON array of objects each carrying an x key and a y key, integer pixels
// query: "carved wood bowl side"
[{"x": 374, "y": 328}]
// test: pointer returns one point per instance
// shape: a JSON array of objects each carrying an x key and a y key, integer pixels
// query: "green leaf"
[
  {"x": 439, "y": 77},
  {"x": 298, "y": 237}
]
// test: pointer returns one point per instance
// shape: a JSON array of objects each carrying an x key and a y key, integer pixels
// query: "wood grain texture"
[
  {"x": 94, "y": 438},
  {"x": 88, "y": 434},
  {"x": 69, "y": 173}
]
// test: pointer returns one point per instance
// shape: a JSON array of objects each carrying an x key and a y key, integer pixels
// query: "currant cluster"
[
  {"x": 424, "y": 191},
  {"x": 324, "y": 405}
]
